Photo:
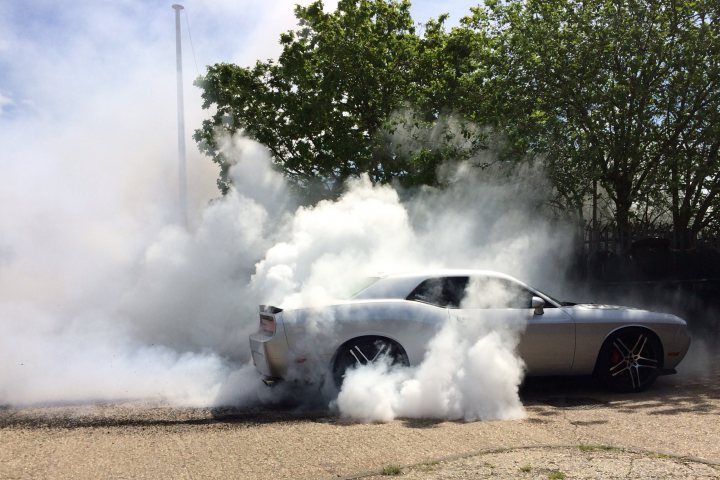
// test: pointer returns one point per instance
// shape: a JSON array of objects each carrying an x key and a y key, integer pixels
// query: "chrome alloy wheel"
[
  {"x": 362, "y": 359},
  {"x": 631, "y": 360},
  {"x": 365, "y": 351}
]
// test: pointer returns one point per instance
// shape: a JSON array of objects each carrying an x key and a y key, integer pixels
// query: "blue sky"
[
  {"x": 82, "y": 46},
  {"x": 88, "y": 130}
]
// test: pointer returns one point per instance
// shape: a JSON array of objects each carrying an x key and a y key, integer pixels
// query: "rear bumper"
[{"x": 269, "y": 353}]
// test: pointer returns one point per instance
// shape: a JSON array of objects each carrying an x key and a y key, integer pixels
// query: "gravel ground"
[
  {"x": 584, "y": 461},
  {"x": 573, "y": 430}
]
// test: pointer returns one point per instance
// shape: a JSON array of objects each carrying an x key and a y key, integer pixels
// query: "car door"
[{"x": 547, "y": 341}]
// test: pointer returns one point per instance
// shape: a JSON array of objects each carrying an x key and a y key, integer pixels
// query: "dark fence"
[
  {"x": 652, "y": 274},
  {"x": 650, "y": 257}
]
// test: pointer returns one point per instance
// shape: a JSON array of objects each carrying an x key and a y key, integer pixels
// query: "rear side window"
[
  {"x": 490, "y": 292},
  {"x": 442, "y": 292},
  {"x": 472, "y": 293}
]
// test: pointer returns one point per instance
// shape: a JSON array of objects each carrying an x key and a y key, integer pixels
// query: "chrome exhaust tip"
[{"x": 270, "y": 382}]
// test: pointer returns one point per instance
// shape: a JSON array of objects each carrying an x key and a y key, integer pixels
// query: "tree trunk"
[
  {"x": 682, "y": 236},
  {"x": 623, "y": 202},
  {"x": 622, "y": 218}
]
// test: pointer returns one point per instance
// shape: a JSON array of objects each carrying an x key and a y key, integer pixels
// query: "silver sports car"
[{"x": 396, "y": 316}]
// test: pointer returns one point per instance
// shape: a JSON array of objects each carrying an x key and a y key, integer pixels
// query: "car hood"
[
  {"x": 600, "y": 306},
  {"x": 617, "y": 312}
]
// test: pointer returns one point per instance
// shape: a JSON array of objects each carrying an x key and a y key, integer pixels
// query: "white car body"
[{"x": 558, "y": 339}]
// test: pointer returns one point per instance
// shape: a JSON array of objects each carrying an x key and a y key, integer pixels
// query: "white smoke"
[
  {"x": 333, "y": 243},
  {"x": 466, "y": 374},
  {"x": 167, "y": 314},
  {"x": 166, "y": 321},
  {"x": 103, "y": 297},
  {"x": 172, "y": 321},
  {"x": 46, "y": 361},
  {"x": 192, "y": 289},
  {"x": 483, "y": 219},
  {"x": 471, "y": 370}
]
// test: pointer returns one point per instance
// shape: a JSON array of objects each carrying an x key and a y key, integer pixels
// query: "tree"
[
  {"x": 433, "y": 132},
  {"x": 690, "y": 161},
  {"x": 354, "y": 91},
  {"x": 608, "y": 91},
  {"x": 318, "y": 109},
  {"x": 622, "y": 94}
]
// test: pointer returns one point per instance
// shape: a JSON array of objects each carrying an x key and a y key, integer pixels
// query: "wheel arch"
[
  {"x": 622, "y": 328},
  {"x": 367, "y": 337}
]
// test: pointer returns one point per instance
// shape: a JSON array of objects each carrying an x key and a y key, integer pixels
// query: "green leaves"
[
  {"x": 623, "y": 93},
  {"x": 607, "y": 91},
  {"x": 319, "y": 107},
  {"x": 324, "y": 107}
]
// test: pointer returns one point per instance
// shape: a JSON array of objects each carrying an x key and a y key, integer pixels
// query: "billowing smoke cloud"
[
  {"x": 49, "y": 358},
  {"x": 172, "y": 323},
  {"x": 101, "y": 297},
  {"x": 168, "y": 323},
  {"x": 471, "y": 370},
  {"x": 484, "y": 219},
  {"x": 104, "y": 298}
]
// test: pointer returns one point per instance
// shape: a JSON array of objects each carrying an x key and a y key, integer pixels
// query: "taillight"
[{"x": 267, "y": 324}]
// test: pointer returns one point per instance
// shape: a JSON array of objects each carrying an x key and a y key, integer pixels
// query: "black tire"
[
  {"x": 363, "y": 351},
  {"x": 630, "y": 360}
]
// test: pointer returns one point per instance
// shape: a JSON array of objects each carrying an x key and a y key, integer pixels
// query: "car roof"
[
  {"x": 447, "y": 272},
  {"x": 399, "y": 285}
]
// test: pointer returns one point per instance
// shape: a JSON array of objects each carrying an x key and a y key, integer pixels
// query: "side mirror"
[{"x": 538, "y": 304}]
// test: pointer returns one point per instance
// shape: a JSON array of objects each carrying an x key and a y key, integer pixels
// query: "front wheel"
[
  {"x": 365, "y": 351},
  {"x": 630, "y": 360}
]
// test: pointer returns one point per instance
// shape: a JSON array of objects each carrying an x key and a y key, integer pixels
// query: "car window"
[
  {"x": 490, "y": 292},
  {"x": 442, "y": 291}
]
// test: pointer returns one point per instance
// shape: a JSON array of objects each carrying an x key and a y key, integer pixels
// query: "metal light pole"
[{"x": 182, "y": 175}]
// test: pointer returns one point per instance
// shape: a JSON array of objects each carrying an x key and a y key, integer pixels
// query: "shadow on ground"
[{"x": 670, "y": 395}]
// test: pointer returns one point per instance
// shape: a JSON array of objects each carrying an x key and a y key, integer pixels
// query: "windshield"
[{"x": 561, "y": 303}]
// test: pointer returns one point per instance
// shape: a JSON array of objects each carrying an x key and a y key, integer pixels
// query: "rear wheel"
[
  {"x": 630, "y": 360},
  {"x": 364, "y": 351}
]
